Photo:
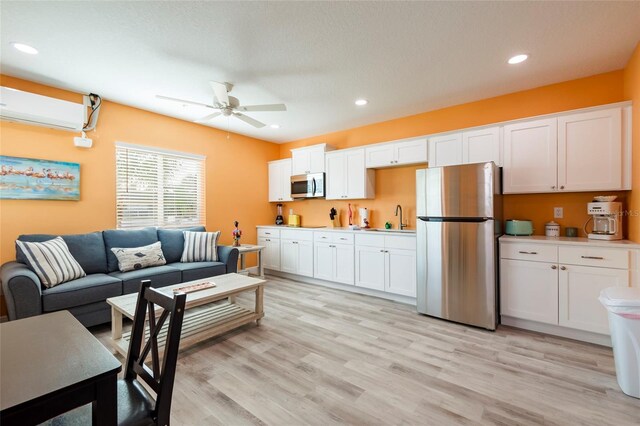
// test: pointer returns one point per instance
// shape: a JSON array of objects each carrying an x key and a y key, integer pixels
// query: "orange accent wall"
[
  {"x": 397, "y": 186},
  {"x": 236, "y": 170},
  {"x": 632, "y": 92}
]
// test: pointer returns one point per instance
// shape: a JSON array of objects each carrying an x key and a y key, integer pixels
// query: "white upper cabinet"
[
  {"x": 531, "y": 156},
  {"x": 412, "y": 151},
  {"x": 587, "y": 151},
  {"x": 474, "y": 146},
  {"x": 445, "y": 150},
  {"x": 347, "y": 176},
  {"x": 481, "y": 146},
  {"x": 308, "y": 159},
  {"x": 590, "y": 150},
  {"x": 280, "y": 180}
]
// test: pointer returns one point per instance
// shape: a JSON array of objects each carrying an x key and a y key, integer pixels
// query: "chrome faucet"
[{"x": 402, "y": 225}]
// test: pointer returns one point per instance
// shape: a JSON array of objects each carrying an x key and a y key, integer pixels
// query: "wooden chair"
[{"x": 136, "y": 407}]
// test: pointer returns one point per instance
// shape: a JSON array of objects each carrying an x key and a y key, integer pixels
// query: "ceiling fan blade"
[
  {"x": 269, "y": 107},
  {"x": 220, "y": 92},
  {"x": 249, "y": 120},
  {"x": 208, "y": 117},
  {"x": 167, "y": 98}
]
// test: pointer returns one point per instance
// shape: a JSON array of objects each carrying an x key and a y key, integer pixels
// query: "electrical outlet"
[{"x": 558, "y": 212}]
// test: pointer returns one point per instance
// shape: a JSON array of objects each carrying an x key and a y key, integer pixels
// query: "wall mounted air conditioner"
[{"x": 38, "y": 110}]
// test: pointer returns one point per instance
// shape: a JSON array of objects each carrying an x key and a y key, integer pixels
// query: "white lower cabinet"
[
  {"x": 296, "y": 257},
  {"x": 579, "y": 289},
  {"x": 271, "y": 252},
  {"x": 561, "y": 283},
  {"x": 529, "y": 290},
  {"x": 386, "y": 263},
  {"x": 334, "y": 262},
  {"x": 370, "y": 267}
]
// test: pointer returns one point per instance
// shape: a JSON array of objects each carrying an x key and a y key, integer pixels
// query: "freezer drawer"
[{"x": 457, "y": 271}]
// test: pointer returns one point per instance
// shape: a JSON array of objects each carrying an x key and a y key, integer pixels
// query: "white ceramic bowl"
[{"x": 603, "y": 198}]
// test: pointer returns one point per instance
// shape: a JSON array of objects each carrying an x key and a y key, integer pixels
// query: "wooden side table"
[{"x": 251, "y": 248}]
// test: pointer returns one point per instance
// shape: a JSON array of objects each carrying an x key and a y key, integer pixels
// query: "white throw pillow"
[
  {"x": 200, "y": 246},
  {"x": 130, "y": 259},
  {"x": 51, "y": 261}
]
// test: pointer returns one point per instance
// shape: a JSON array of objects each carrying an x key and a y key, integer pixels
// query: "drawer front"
[
  {"x": 397, "y": 242},
  {"x": 533, "y": 252},
  {"x": 342, "y": 238},
  {"x": 595, "y": 256},
  {"x": 294, "y": 234},
  {"x": 323, "y": 237},
  {"x": 268, "y": 233},
  {"x": 370, "y": 240}
]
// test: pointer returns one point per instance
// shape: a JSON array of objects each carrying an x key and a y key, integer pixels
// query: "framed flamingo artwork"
[{"x": 32, "y": 179}]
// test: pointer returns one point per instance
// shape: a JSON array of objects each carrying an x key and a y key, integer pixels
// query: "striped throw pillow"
[
  {"x": 200, "y": 246},
  {"x": 51, "y": 261}
]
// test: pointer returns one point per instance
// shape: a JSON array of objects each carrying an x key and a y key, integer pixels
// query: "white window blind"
[{"x": 156, "y": 187}]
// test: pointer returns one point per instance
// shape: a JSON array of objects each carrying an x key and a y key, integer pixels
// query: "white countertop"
[
  {"x": 373, "y": 231},
  {"x": 571, "y": 241}
]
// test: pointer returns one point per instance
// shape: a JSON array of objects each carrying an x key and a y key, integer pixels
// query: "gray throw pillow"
[{"x": 130, "y": 259}]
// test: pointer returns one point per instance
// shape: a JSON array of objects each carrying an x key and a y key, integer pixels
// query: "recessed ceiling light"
[
  {"x": 361, "y": 102},
  {"x": 517, "y": 59},
  {"x": 275, "y": 126},
  {"x": 25, "y": 48}
]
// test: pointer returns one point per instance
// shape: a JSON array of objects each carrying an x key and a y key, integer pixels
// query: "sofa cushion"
[
  {"x": 173, "y": 241},
  {"x": 199, "y": 270},
  {"x": 51, "y": 261},
  {"x": 160, "y": 276},
  {"x": 89, "y": 289},
  {"x": 87, "y": 249},
  {"x": 126, "y": 238}
]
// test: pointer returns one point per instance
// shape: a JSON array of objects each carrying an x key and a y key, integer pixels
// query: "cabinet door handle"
[
  {"x": 267, "y": 233},
  {"x": 528, "y": 252},
  {"x": 563, "y": 268},
  {"x": 562, "y": 187},
  {"x": 294, "y": 242},
  {"x": 553, "y": 187},
  {"x": 592, "y": 257},
  {"x": 333, "y": 246},
  {"x": 267, "y": 239},
  {"x": 381, "y": 251},
  {"x": 554, "y": 267},
  {"x": 343, "y": 239}
]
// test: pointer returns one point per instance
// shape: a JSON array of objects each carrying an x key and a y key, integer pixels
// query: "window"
[{"x": 156, "y": 187}]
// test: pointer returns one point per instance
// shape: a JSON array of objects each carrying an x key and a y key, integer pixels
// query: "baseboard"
[
  {"x": 345, "y": 287},
  {"x": 556, "y": 330}
]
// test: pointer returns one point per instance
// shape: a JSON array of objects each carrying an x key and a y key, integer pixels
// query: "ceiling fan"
[{"x": 228, "y": 105}]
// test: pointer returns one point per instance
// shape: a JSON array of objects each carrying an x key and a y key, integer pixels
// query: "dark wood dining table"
[{"x": 50, "y": 364}]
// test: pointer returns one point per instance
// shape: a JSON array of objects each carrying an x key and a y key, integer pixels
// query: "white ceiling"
[{"x": 317, "y": 57}]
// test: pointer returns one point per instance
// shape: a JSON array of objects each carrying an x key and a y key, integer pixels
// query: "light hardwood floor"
[{"x": 323, "y": 356}]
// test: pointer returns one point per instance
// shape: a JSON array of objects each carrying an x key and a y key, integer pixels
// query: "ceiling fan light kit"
[{"x": 228, "y": 106}]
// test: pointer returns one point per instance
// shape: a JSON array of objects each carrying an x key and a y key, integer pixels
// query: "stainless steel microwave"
[{"x": 308, "y": 186}]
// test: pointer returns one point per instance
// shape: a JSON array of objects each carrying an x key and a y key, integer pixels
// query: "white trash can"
[{"x": 623, "y": 306}]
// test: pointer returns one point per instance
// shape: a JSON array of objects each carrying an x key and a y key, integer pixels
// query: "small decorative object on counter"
[
  {"x": 387, "y": 225},
  {"x": 552, "y": 229},
  {"x": 236, "y": 234},
  {"x": 350, "y": 215},
  {"x": 571, "y": 232}
]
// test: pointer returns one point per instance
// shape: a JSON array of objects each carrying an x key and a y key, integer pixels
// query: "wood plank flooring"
[{"x": 324, "y": 357}]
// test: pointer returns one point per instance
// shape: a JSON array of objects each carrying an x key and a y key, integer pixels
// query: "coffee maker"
[{"x": 606, "y": 216}]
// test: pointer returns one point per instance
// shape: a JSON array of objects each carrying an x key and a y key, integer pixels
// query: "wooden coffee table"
[{"x": 207, "y": 312}]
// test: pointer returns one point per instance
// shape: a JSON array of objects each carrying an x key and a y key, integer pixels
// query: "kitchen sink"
[{"x": 393, "y": 231}]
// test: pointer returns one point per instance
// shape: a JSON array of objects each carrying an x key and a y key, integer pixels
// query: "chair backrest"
[{"x": 160, "y": 377}]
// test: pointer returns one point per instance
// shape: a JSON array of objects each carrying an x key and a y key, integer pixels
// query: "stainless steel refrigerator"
[{"x": 459, "y": 211}]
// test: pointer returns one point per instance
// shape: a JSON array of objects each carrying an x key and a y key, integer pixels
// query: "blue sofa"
[{"x": 86, "y": 297}]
